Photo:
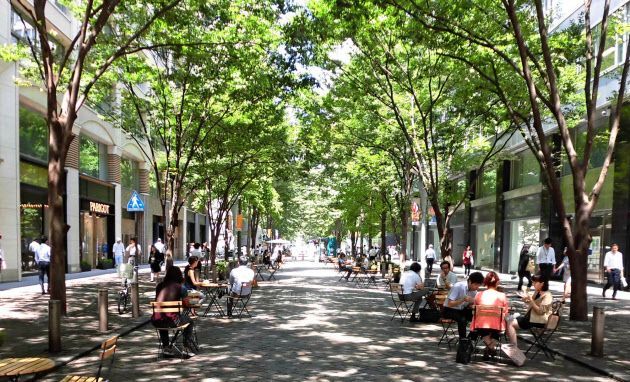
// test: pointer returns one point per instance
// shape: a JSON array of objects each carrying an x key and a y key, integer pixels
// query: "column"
[
  {"x": 501, "y": 261},
  {"x": 9, "y": 157},
  {"x": 146, "y": 229},
  {"x": 72, "y": 205},
  {"x": 620, "y": 230},
  {"x": 113, "y": 175},
  {"x": 197, "y": 236},
  {"x": 184, "y": 230}
]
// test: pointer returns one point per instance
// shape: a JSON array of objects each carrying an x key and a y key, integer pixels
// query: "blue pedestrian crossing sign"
[{"x": 135, "y": 204}]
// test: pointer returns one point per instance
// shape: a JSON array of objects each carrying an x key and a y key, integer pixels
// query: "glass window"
[
  {"x": 487, "y": 183},
  {"x": 525, "y": 170},
  {"x": 33, "y": 174},
  {"x": 129, "y": 174},
  {"x": 89, "y": 157},
  {"x": 33, "y": 135}
]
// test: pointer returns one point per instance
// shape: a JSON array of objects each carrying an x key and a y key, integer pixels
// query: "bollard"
[
  {"x": 135, "y": 300},
  {"x": 597, "y": 338},
  {"x": 54, "y": 326},
  {"x": 102, "y": 310}
]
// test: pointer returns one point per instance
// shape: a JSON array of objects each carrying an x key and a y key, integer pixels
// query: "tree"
[
  {"x": 108, "y": 30},
  {"x": 515, "y": 38}
]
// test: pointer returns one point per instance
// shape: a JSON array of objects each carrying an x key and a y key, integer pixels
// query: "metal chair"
[
  {"x": 170, "y": 307},
  {"x": 108, "y": 350},
  {"x": 495, "y": 321},
  {"x": 403, "y": 309},
  {"x": 543, "y": 335},
  {"x": 242, "y": 298}
]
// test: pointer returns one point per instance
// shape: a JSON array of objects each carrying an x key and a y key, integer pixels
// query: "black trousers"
[
  {"x": 44, "y": 269},
  {"x": 461, "y": 316},
  {"x": 614, "y": 279},
  {"x": 430, "y": 265},
  {"x": 527, "y": 275},
  {"x": 546, "y": 270}
]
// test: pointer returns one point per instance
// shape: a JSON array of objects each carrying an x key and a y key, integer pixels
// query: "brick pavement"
[{"x": 306, "y": 327}]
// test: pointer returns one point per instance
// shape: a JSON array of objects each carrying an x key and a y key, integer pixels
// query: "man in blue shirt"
[{"x": 458, "y": 304}]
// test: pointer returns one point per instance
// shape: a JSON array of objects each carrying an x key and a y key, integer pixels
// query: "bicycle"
[{"x": 126, "y": 271}]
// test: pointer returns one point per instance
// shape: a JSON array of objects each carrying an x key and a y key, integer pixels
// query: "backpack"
[{"x": 464, "y": 351}]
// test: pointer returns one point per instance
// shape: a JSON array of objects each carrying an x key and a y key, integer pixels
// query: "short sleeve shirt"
[
  {"x": 409, "y": 280},
  {"x": 458, "y": 291}
]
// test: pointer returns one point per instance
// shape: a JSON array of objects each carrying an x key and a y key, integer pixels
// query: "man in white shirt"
[
  {"x": 118, "y": 249},
  {"x": 33, "y": 248},
  {"x": 429, "y": 256},
  {"x": 42, "y": 258},
  {"x": 460, "y": 299},
  {"x": 546, "y": 259},
  {"x": 413, "y": 289},
  {"x": 238, "y": 276},
  {"x": 613, "y": 269},
  {"x": 447, "y": 278}
]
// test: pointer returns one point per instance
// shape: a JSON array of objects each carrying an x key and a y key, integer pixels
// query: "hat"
[
  {"x": 159, "y": 239},
  {"x": 430, "y": 245},
  {"x": 118, "y": 239}
]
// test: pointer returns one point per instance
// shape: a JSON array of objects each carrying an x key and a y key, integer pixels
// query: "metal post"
[
  {"x": 135, "y": 300},
  {"x": 597, "y": 338},
  {"x": 102, "y": 310},
  {"x": 54, "y": 326}
]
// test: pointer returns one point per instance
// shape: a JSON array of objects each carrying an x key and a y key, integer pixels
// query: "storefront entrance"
[{"x": 95, "y": 226}]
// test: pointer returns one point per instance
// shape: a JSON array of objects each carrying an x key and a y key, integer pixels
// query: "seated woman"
[
  {"x": 170, "y": 289},
  {"x": 190, "y": 279},
  {"x": 487, "y": 326},
  {"x": 538, "y": 309}
]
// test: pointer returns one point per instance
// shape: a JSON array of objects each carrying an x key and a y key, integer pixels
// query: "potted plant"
[
  {"x": 221, "y": 268},
  {"x": 85, "y": 266},
  {"x": 105, "y": 263}
]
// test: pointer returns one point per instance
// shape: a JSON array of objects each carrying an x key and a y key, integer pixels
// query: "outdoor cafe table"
[
  {"x": 213, "y": 290},
  {"x": 15, "y": 367}
]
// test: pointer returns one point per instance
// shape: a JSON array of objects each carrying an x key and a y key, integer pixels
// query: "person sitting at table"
[
  {"x": 460, "y": 297},
  {"x": 538, "y": 309},
  {"x": 191, "y": 282},
  {"x": 238, "y": 276},
  {"x": 413, "y": 289},
  {"x": 488, "y": 327},
  {"x": 170, "y": 289},
  {"x": 344, "y": 265},
  {"x": 447, "y": 278}
]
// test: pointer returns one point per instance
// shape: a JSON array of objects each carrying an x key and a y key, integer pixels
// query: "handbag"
[
  {"x": 464, "y": 351},
  {"x": 531, "y": 266},
  {"x": 624, "y": 282},
  {"x": 429, "y": 315}
]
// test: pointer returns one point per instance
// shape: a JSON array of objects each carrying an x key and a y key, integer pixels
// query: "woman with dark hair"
[
  {"x": 156, "y": 258},
  {"x": 170, "y": 289},
  {"x": 538, "y": 308},
  {"x": 190, "y": 279},
  {"x": 490, "y": 327},
  {"x": 467, "y": 256}
]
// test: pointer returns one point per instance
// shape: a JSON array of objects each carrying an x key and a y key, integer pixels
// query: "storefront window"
[
  {"x": 88, "y": 157},
  {"x": 33, "y": 174},
  {"x": 525, "y": 170},
  {"x": 525, "y": 231},
  {"x": 33, "y": 135},
  {"x": 485, "y": 245}
]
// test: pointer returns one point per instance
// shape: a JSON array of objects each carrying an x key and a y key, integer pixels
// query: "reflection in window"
[
  {"x": 487, "y": 183},
  {"x": 89, "y": 157},
  {"x": 129, "y": 174},
  {"x": 33, "y": 135},
  {"x": 525, "y": 170}
]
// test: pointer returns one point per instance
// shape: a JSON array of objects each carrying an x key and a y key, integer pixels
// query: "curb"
[
  {"x": 87, "y": 351},
  {"x": 579, "y": 362}
]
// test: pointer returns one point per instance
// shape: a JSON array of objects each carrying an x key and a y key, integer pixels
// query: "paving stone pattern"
[{"x": 306, "y": 326}]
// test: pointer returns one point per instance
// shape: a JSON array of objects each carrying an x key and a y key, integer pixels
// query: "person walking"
[
  {"x": 159, "y": 245},
  {"x": 524, "y": 270},
  {"x": 613, "y": 269},
  {"x": 118, "y": 249},
  {"x": 546, "y": 259},
  {"x": 32, "y": 249},
  {"x": 134, "y": 250},
  {"x": 566, "y": 275},
  {"x": 42, "y": 259},
  {"x": 468, "y": 260},
  {"x": 429, "y": 256},
  {"x": 156, "y": 259}
]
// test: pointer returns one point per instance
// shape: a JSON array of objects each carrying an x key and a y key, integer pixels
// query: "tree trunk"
[
  {"x": 383, "y": 250},
  {"x": 579, "y": 260},
  {"x": 353, "y": 241},
  {"x": 173, "y": 223},
  {"x": 58, "y": 228}
]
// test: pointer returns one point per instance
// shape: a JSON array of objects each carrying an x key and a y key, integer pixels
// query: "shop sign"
[
  {"x": 135, "y": 204},
  {"x": 415, "y": 211},
  {"x": 99, "y": 208},
  {"x": 239, "y": 222}
]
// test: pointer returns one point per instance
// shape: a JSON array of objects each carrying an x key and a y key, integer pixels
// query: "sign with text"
[
  {"x": 415, "y": 211},
  {"x": 239, "y": 222}
]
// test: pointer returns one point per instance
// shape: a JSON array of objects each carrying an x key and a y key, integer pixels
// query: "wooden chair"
[
  {"x": 170, "y": 307},
  {"x": 241, "y": 299},
  {"x": 108, "y": 349},
  {"x": 403, "y": 309},
  {"x": 495, "y": 318},
  {"x": 543, "y": 335}
]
